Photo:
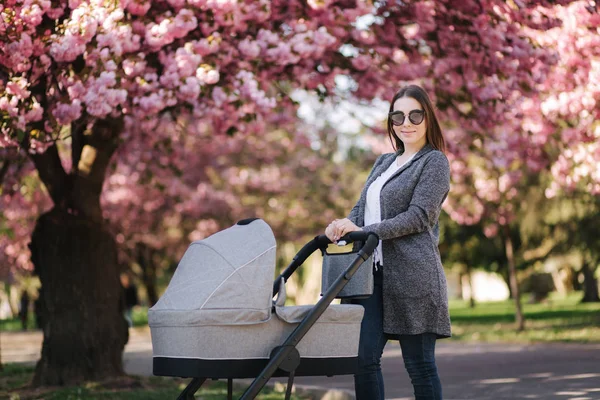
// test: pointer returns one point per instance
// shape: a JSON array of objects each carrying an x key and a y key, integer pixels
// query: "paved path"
[{"x": 468, "y": 371}]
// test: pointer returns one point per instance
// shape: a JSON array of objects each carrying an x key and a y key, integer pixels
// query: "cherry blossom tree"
[
  {"x": 102, "y": 75},
  {"x": 278, "y": 176},
  {"x": 569, "y": 105},
  {"x": 552, "y": 129}
]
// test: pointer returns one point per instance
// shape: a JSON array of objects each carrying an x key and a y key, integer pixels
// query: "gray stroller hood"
[{"x": 225, "y": 279}]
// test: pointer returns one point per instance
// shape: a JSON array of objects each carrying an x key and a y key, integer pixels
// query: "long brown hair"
[{"x": 434, "y": 132}]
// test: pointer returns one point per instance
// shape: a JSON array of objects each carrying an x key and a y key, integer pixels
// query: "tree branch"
[
  {"x": 52, "y": 173},
  {"x": 4, "y": 170},
  {"x": 105, "y": 139},
  {"x": 96, "y": 154},
  {"x": 77, "y": 141}
]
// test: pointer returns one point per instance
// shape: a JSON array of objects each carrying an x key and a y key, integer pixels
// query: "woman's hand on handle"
[
  {"x": 331, "y": 232},
  {"x": 340, "y": 227}
]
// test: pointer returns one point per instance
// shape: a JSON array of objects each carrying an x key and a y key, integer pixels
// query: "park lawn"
[
  {"x": 15, "y": 378},
  {"x": 559, "y": 319}
]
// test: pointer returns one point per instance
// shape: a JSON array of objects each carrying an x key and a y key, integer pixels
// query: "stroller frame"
[{"x": 285, "y": 357}]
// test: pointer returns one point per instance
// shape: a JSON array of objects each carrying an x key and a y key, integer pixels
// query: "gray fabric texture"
[
  {"x": 415, "y": 298},
  {"x": 335, "y": 313},
  {"x": 334, "y": 266},
  {"x": 225, "y": 278},
  {"x": 335, "y": 334}
]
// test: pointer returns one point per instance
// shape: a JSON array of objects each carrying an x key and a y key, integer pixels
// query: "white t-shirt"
[{"x": 373, "y": 204}]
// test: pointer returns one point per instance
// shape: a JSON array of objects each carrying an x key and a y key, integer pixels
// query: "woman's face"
[{"x": 411, "y": 134}]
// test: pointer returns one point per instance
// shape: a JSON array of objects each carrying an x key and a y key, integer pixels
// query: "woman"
[{"x": 401, "y": 202}]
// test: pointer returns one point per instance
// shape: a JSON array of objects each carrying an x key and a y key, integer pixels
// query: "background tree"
[
  {"x": 565, "y": 227},
  {"x": 570, "y": 107},
  {"x": 465, "y": 248},
  {"x": 539, "y": 132}
]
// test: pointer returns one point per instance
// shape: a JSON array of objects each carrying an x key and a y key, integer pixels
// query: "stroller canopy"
[{"x": 223, "y": 279}]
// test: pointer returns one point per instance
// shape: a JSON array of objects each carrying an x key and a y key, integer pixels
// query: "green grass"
[
  {"x": 559, "y": 319},
  {"x": 14, "y": 324},
  {"x": 139, "y": 316},
  {"x": 14, "y": 385}
]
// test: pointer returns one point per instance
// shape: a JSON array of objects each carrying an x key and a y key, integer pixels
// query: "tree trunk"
[
  {"x": 471, "y": 288},
  {"x": 85, "y": 331},
  {"x": 145, "y": 259},
  {"x": 75, "y": 258},
  {"x": 14, "y": 310},
  {"x": 504, "y": 272},
  {"x": 514, "y": 284},
  {"x": 590, "y": 284}
]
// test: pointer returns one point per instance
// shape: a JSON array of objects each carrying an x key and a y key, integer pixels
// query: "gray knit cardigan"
[{"x": 415, "y": 297}]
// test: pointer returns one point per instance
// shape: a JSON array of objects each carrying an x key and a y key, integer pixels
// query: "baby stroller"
[{"x": 217, "y": 318}]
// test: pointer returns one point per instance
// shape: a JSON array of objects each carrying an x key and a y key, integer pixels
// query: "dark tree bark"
[
  {"x": 75, "y": 257},
  {"x": 505, "y": 274},
  {"x": 85, "y": 332},
  {"x": 514, "y": 284},
  {"x": 590, "y": 284},
  {"x": 145, "y": 258}
]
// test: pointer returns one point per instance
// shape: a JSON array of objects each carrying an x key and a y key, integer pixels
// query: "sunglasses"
[{"x": 415, "y": 117}]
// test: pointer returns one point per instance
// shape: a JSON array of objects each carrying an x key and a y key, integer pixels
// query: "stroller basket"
[{"x": 217, "y": 318}]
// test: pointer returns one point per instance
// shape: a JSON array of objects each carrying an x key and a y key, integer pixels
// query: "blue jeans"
[{"x": 418, "y": 352}]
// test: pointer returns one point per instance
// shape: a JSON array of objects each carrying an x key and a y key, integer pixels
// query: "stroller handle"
[
  {"x": 370, "y": 241},
  {"x": 288, "y": 348},
  {"x": 350, "y": 237}
]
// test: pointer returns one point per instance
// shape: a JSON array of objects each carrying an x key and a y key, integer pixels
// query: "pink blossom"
[
  {"x": 159, "y": 35},
  {"x": 249, "y": 48},
  {"x": 73, "y": 4},
  {"x": 139, "y": 7},
  {"x": 170, "y": 79},
  {"x": 190, "y": 90},
  {"x": 176, "y": 3},
  {"x": 362, "y": 62},
  {"x": 57, "y": 12},
  {"x": 184, "y": 22},
  {"x": 186, "y": 62},
  {"x": 364, "y": 36},
  {"x": 219, "y": 96},
  {"x": 133, "y": 67},
  {"x": 266, "y": 38},
  {"x": 211, "y": 77},
  {"x": 491, "y": 230},
  {"x": 18, "y": 54},
  {"x": 18, "y": 88},
  {"x": 197, "y": 3},
  {"x": 67, "y": 48},
  {"x": 35, "y": 114},
  {"x": 151, "y": 104},
  {"x": 66, "y": 113},
  {"x": 76, "y": 91},
  {"x": 32, "y": 14},
  {"x": 207, "y": 46}
]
